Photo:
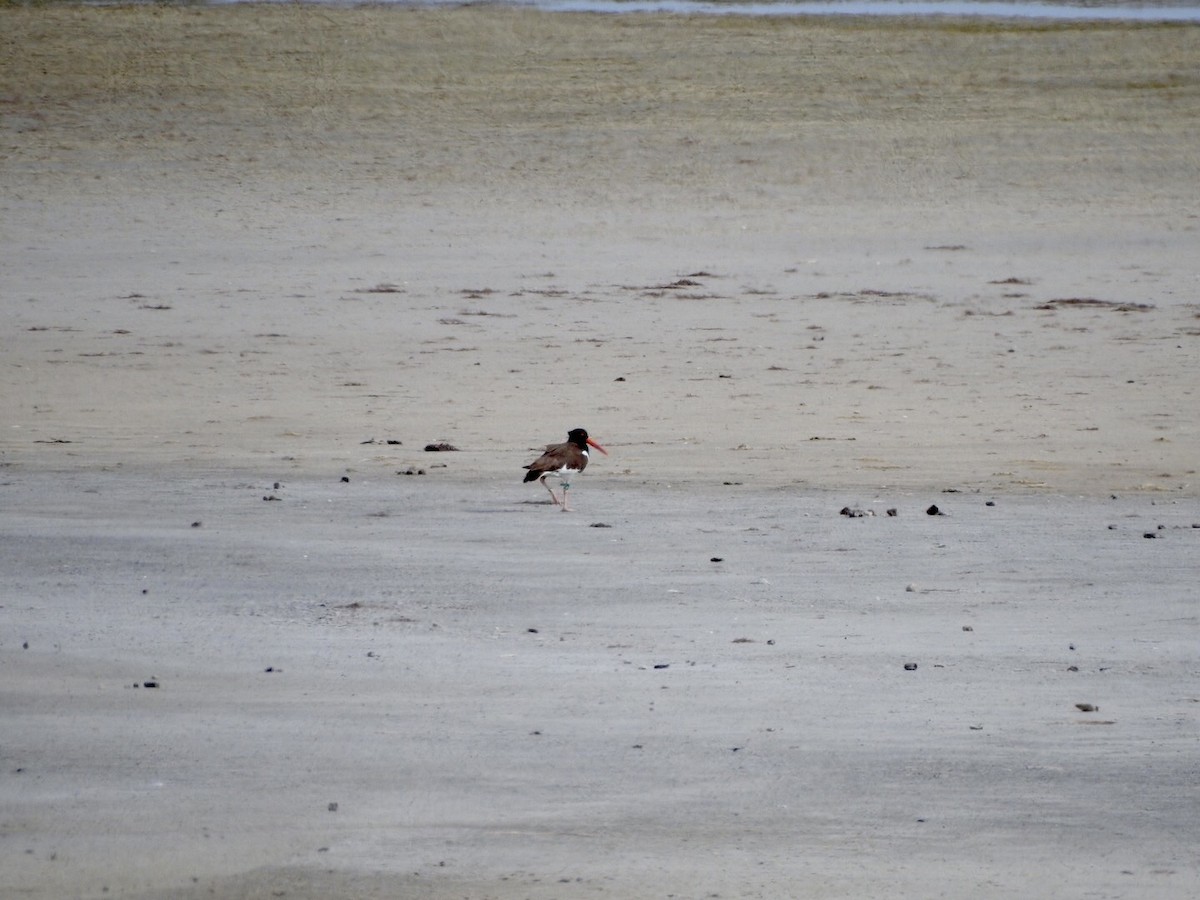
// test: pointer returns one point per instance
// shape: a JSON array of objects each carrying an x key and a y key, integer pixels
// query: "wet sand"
[{"x": 778, "y": 267}]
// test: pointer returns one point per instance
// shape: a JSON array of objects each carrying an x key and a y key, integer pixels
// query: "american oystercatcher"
[{"x": 562, "y": 461}]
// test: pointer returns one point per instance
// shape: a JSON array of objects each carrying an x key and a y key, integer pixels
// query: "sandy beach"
[{"x": 256, "y": 641}]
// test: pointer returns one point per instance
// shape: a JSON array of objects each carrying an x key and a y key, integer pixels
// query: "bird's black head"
[{"x": 578, "y": 437}]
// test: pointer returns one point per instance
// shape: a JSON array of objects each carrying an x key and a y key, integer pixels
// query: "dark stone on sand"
[
  {"x": 990, "y": 503},
  {"x": 717, "y": 559},
  {"x": 661, "y": 665},
  {"x": 440, "y": 447},
  {"x": 345, "y": 479},
  {"x": 852, "y": 513},
  {"x": 150, "y": 684},
  {"x": 893, "y": 511},
  {"x": 599, "y": 525},
  {"x": 196, "y": 524},
  {"x": 1087, "y": 707},
  {"x": 910, "y": 667},
  {"x": 934, "y": 511},
  {"x": 270, "y": 497},
  {"x": 1072, "y": 668},
  {"x": 1150, "y": 535}
]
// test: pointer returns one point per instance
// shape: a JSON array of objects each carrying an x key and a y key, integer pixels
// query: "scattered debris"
[
  {"x": 1093, "y": 303},
  {"x": 440, "y": 447},
  {"x": 855, "y": 512}
]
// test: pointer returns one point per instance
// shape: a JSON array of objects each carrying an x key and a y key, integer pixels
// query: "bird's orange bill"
[{"x": 592, "y": 443}]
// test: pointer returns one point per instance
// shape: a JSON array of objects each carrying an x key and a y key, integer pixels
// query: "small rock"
[
  {"x": 910, "y": 667},
  {"x": 990, "y": 503},
  {"x": 345, "y": 479},
  {"x": 196, "y": 524},
  {"x": 968, "y": 628},
  {"x": 150, "y": 684},
  {"x": 440, "y": 447},
  {"x": 717, "y": 559},
  {"x": 1087, "y": 707},
  {"x": 1150, "y": 535},
  {"x": 662, "y": 665},
  {"x": 1072, "y": 668},
  {"x": 854, "y": 513},
  {"x": 893, "y": 512},
  {"x": 934, "y": 511},
  {"x": 333, "y": 807},
  {"x": 599, "y": 525}
]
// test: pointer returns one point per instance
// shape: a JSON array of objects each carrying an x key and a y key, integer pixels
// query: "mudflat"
[{"x": 793, "y": 273}]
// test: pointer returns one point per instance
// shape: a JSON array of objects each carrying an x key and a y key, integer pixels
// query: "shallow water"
[
  {"x": 1170, "y": 12},
  {"x": 1095, "y": 10}
]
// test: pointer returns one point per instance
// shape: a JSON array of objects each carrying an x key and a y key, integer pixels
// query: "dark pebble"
[
  {"x": 1087, "y": 707},
  {"x": 345, "y": 479},
  {"x": 277, "y": 485},
  {"x": 195, "y": 524},
  {"x": 599, "y": 525},
  {"x": 1150, "y": 535},
  {"x": 990, "y": 503},
  {"x": 910, "y": 667},
  {"x": 893, "y": 512},
  {"x": 395, "y": 443},
  {"x": 661, "y": 665},
  {"x": 532, "y": 630},
  {"x": 333, "y": 807},
  {"x": 1072, "y": 668},
  {"x": 717, "y": 559},
  {"x": 933, "y": 511},
  {"x": 150, "y": 684},
  {"x": 440, "y": 447},
  {"x": 270, "y": 497}
]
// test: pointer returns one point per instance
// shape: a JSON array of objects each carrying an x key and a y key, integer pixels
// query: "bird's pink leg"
[
  {"x": 553, "y": 497},
  {"x": 565, "y": 486}
]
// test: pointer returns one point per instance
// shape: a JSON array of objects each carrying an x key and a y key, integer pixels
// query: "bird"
[{"x": 562, "y": 461}]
